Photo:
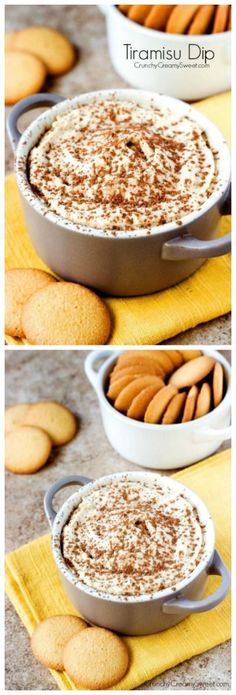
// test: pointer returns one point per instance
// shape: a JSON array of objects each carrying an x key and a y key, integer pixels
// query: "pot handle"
[
  {"x": 90, "y": 365},
  {"x": 183, "y": 605},
  {"x": 210, "y": 434},
  {"x": 23, "y": 106},
  {"x": 186, "y": 246},
  {"x": 64, "y": 482}
]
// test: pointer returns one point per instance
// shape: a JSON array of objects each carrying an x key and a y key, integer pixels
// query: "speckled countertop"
[
  {"x": 47, "y": 374},
  {"x": 85, "y": 26}
]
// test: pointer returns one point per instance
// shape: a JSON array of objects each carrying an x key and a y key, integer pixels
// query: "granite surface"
[
  {"x": 59, "y": 374},
  {"x": 85, "y": 26}
]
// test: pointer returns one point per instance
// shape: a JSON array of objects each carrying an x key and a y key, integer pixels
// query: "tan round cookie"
[
  {"x": 159, "y": 403},
  {"x": 180, "y": 18},
  {"x": 15, "y": 416},
  {"x": 174, "y": 409},
  {"x": 55, "y": 419},
  {"x": 20, "y": 284},
  {"x": 24, "y": 75},
  {"x": 218, "y": 384},
  {"x": 159, "y": 356},
  {"x": 221, "y": 19},
  {"x": 66, "y": 314},
  {"x": 135, "y": 357},
  {"x": 141, "y": 364},
  {"x": 190, "y": 354},
  {"x": 126, "y": 396},
  {"x": 140, "y": 403},
  {"x": 10, "y": 37},
  {"x": 203, "y": 402},
  {"x": 190, "y": 404},
  {"x": 27, "y": 449},
  {"x": 158, "y": 17},
  {"x": 176, "y": 357},
  {"x": 49, "y": 45},
  {"x": 118, "y": 385},
  {"x": 96, "y": 659},
  {"x": 51, "y": 636},
  {"x": 202, "y": 20},
  {"x": 193, "y": 371}
]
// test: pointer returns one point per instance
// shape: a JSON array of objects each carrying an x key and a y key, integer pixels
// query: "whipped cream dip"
[
  {"x": 118, "y": 165},
  {"x": 129, "y": 538}
]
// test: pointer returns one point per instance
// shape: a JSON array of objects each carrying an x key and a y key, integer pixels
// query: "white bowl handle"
[
  {"x": 90, "y": 365},
  {"x": 210, "y": 434}
]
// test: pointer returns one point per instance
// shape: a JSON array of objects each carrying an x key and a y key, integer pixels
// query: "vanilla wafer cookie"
[
  {"x": 175, "y": 408},
  {"x": 124, "y": 8},
  {"x": 160, "y": 356},
  {"x": 190, "y": 404},
  {"x": 50, "y": 637},
  {"x": 204, "y": 401},
  {"x": 139, "y": 362},
  {"x": 158, "y": 16},
  {"x": 176, "y": 358},
  {"x": 138, "y": 13},
  {"x": 27, "y": 449},
  {"x": 119, "y": 384},
  {"x": 180, "y": 18},
  {"x": 55, "y": 419},
  {"x": 193, "y": 371},
  {"x": 159, "y": 403},
  {"x": 202, "y": 20},
  {"x": 49, "y": 45},
  {"x": 20, "y": 284},
  {"x": 136, "y": 370},
  {"x": 190, "y": 354},
  {"x": 221, "y": 19},
  {"x": 140, "y": 403},
  {"x": 96, "y": 659},
  {"x": 15, "y": 415},
  {"x": 218, "y": 384},
  {"x": 126, "y": 396}
]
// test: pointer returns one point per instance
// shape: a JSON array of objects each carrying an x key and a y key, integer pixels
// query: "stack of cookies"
[
  {"x": 32, "y": 429},
  {"x": 93, "y": 657},
  {"x": 181, "y": 19},
  {"x": 31, "y": 55},
  {"x": 166, "y": 386}
]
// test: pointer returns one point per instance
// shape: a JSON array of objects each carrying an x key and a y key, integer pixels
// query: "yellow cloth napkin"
[
  {"x": 34, "y": 587},
  {"x": 155, "y": 318}
]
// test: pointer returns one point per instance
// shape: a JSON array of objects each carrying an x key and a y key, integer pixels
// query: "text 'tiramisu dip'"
[
  {"x": 128, "y": 538},
  {"x": 114, "y": 165}
]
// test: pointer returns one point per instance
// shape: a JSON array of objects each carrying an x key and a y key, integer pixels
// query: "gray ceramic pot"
[
  {"x": 131, "y": 263},
  {"x": 145, "y": 614}
]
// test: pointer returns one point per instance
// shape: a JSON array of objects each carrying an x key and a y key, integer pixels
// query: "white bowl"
[
  {"x": 160, "y": 447},
  {"x": 177, "y": 78}
]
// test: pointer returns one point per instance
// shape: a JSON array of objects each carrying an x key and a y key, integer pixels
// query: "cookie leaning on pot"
[{"x": 165, "y": 386}]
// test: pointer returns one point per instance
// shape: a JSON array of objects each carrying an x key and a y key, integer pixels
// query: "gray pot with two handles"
[
  {"x": 130, "y": 263},
  {"x": 146, "y": 614}
]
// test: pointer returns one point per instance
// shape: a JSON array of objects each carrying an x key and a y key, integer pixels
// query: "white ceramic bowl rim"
[
  {"x": 72, "y": 502},
  {"x": 33, "y": 132},
  {"x": 209, "y": 38},
  {"x": 201, "y": 422}
]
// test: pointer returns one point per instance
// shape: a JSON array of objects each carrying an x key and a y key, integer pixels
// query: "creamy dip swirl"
[
  {"x": 129, "y": 538},
  {"x": 114, "y": 165}
]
